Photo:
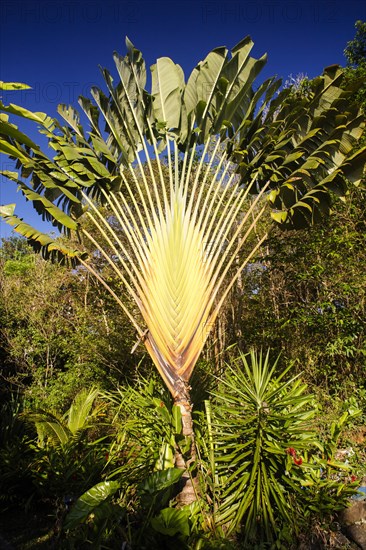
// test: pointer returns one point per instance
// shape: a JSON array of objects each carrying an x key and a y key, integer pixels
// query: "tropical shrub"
[
  {"x": 16, "y": 456},
  {"x": 59, "y": 331},
  {"x": 263, "y": 472},
  {"x": 265, "y": 468},
  {"x": 70, "y": 451},
  {"x": 136, "y": 502}
]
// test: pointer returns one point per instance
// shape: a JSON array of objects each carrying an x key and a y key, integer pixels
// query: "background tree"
[
  {"x": 306, "y": 299},
  {"x": 59, "y": 330},
  {"x": 355, "y": 53}
]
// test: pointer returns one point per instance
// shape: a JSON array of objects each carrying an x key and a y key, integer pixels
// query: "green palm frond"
[
  {"x": 49, "y": 428},
  {"x": 256, "y": 416},
  {"x": 60, "y": 430},
  {"x": 81, "y": 411}
]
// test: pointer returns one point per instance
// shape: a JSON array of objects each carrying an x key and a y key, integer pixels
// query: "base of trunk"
[
  {"x": 189, "y": 491},
  {"x": 188, "y": 485}
]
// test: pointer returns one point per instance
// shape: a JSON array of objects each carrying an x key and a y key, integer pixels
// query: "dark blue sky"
[{"x": 56, "y": 46}]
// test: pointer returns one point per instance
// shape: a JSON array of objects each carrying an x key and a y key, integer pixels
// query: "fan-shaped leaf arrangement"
[{"x": 185, "y": 172}]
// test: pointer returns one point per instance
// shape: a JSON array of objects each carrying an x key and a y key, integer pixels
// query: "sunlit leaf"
[{"x": 89, "y": 502}]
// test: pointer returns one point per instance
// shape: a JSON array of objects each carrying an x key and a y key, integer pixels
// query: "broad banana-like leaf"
[
  {"x": 13, "y": 86},
  {"x": 48, "y": 247},
  {"x": 41, "y": 118},
  {"x": 41, "y": 203},
  {"x": 171, "y": 521},
  {"x": 304, "y": 148},
  {"x": 185, "y": 172},
  {"x": 90, "y": 502},
  {"x": 167, "y": 86},
  {"x": 158, "y": 481}
]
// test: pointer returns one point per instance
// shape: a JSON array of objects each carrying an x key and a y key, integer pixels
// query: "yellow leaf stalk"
[{"x": 184, "y": 229}]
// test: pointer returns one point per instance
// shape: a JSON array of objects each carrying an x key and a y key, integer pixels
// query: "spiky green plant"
[
  {"x": 182, "y": 222},
  {"x": 259, "y": 426}
]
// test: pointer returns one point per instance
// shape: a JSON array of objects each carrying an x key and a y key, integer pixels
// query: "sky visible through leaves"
[{"x": 56, "y": 47}]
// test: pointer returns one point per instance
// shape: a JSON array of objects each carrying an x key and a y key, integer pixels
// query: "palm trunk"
[
  {"x": 188, "y": 484},
  {"x": 180, "y": 391}
]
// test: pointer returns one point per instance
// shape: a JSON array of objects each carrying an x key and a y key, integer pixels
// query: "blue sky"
[{"x": 56, "y": 46}]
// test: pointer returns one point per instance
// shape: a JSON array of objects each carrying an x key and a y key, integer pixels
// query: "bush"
[{"x": 265, "y": 469}]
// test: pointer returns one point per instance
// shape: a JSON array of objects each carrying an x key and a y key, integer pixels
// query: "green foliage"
[
  {"x": 306, "y": 300},
  {"x": 16, "y": 455},
  {"x": 326, "y": 484},
  {"x": 93, "y": 520},
  {"x": 148, "y": 428},
  {"x": 143, "y": 455},
  {"x": 81, "y": 412},
  {"x": 258, "y": 416},
  {"x": 79, "y": 417},
  {"x": 264, "y": 459},
  {"x": 160, "y": 480},
  {"x": 16, "y": 256},
  {"x": 355, "y": 53},
  {"x": 90, "y": 503},
  {"x": 59, "y": 331},
  {"x": 300, "y": 85},
  {"x": 264, "y": 472},
  {"x": 267, "y": 452},
  {"x": 336, "y": 428},
  {"x": 70, "y": 451},
  {"x": 171, "y": 521}
]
